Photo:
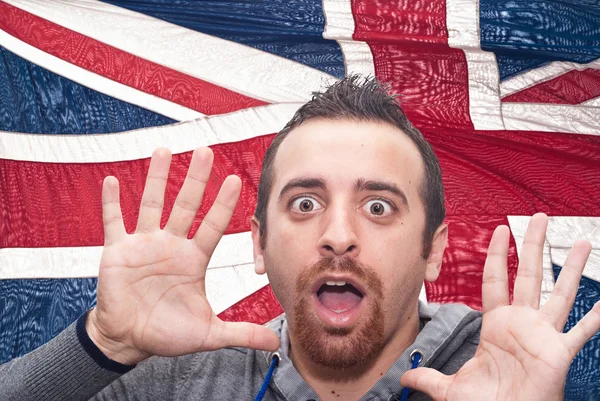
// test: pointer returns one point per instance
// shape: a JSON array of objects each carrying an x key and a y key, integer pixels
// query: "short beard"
[{"x": 339, "y": 349}]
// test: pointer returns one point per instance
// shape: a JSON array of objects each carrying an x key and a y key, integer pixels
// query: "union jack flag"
[{"x": 507, "y": 92}]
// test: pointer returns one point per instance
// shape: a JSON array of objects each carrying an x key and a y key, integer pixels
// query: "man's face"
[{"x": 343, "y": 249}]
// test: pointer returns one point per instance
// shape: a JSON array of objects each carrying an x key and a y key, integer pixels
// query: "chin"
[{"x": 339, "y": 348}]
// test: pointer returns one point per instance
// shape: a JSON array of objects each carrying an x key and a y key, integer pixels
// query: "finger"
[
  {"x": 495, "y": 271},
  {"x": 558, "y": 306},
  {"x": 241, "y": 334},
  {"x": 428, "y": 381},
  {"x": 528, "y": 284},
  {"x": 585, "y": 329},
  {"x": 217, "y": 219},
  {"x": 153, "y": 198},
  {"x": 190, "y": 196},
  {"x": 114, "y": 229}
]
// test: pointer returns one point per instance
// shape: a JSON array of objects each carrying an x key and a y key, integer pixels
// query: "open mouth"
[{"x": 339, "y": 296}]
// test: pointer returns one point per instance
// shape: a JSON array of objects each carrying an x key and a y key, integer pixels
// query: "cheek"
[
  {"x": 290, "y": 246},
  {"x": 282, "y": 271},
  {"x": 401, "y": 269},
  {"x": 279, "y": 283}
]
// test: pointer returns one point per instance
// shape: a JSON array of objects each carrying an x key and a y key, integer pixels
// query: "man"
[{"x": 348, "y": 225}]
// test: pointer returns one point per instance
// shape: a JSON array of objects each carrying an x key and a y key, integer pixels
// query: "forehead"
[{"x": 340, "y": 151}]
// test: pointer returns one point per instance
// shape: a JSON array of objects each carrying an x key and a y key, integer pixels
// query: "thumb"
[
  {"x": 247, "y": 335},
  {"x": 428, "y": 381}
]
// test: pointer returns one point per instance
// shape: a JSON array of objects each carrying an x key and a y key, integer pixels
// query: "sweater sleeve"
[{"x": 69, "y": 366}]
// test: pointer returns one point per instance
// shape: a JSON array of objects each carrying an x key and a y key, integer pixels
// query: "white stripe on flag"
[
  {"x": 562, "y": 232},
  {"x": 229, "y": 279},
  {"x": 339, "y": 26},
  {"x": 484, "y": 97},
  {"x": 97, "y": 82},
  {"x": 139, "y": 144},
  {"x": 592, "y": 102},
  {"x": 226, "y": 287},
  {"x": 538, "y": 75},
  {"x": 237, "y": 67},
  {"x": 462, "y": 20},
  {"x": 72, "y": 262},
  {"x": 551, "y": 118}
]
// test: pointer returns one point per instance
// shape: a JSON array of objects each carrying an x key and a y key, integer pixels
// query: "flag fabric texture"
[{"x": 507, "y": 92}]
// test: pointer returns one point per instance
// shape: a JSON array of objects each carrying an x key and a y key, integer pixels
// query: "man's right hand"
[{"x": 151, "y": 284}]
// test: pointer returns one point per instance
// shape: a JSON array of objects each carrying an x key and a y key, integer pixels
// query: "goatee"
[{"x": 339, "y": 348}]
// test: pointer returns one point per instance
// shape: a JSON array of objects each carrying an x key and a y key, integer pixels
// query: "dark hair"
[{"x": 360, "y": 99}]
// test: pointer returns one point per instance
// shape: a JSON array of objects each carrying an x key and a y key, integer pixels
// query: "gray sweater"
[{"x": 70, "y": 367}]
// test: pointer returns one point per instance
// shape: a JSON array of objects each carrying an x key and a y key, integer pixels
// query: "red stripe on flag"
[
  {"x": 485, "y": 173},
  {"x": 121, "y": 66},
  {"x": 573, "y": 87},
  {"x": 462, "y": 268},
  {"x": 400, "y": 20},
  {"x": 432, "y": 82},
  {"x": 518, "y": 173},
  {"x": 431, "y": 79},
  {"x": 259, "y": 307},
  {"x": 56, "y": 205}
]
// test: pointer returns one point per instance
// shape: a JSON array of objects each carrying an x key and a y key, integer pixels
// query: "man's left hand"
[{"x": 523, "y": 353}]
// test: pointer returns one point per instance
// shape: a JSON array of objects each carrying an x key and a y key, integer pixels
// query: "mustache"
[{"x": 366, "y": 274}]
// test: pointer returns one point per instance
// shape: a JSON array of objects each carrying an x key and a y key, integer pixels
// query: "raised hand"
[
  {"x": 523, "y": 353},
  {"x": 151, "y": 285}
]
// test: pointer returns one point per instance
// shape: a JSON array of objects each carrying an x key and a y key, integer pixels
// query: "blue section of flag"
[
  {"x": 35, "y": 311},
  {"x": 528, "y": 34},
  {"x": 583, "y": 380},
  {"x": 510, "y": 64},
  {"x": 290, "y": 29},
  {"x": 35, "y": 100}
]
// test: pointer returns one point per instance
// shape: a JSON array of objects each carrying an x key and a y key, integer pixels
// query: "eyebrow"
[
  {"x": 364, "y": 185},
  {"x": 306, "y": 183}
]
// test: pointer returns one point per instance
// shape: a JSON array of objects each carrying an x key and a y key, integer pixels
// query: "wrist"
[{"x": 113, "y": 350}]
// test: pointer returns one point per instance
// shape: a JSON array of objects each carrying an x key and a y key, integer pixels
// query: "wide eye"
[
  {"x": 378, "y": 208},
  {"x": 304, "y": 204}
]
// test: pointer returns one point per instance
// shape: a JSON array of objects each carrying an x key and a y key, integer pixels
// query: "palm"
[
  {"x": 151, "y": 285},
  {"x": 522, "y": 354},
  {"x": 510, "y": 351},
  {"x": 156, "y": 294}
]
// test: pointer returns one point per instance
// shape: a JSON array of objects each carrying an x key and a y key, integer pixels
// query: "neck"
[{"x": 351, "y": 384}]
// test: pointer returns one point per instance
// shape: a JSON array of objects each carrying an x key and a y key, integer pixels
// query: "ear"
[
  {"x": 259, "y": 262},
  {"x": 438, "y": 245}
]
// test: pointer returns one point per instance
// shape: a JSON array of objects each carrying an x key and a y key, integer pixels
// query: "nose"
[{"x": 339, "y": 236}]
